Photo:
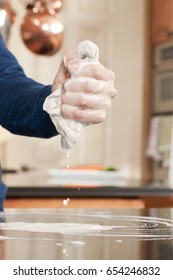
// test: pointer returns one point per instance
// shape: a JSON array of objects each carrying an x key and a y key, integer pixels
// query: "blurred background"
[
  {"x": 135, "y": 38},
  {"x": 121, "y": 30}
]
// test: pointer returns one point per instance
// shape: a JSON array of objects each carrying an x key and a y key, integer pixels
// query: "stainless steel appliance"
[
  {"x": 162, "y": 102},
  {"x": 163, "y": 79}
]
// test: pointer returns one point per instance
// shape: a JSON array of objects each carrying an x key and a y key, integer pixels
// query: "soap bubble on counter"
[{"x": 91, "y": 224}]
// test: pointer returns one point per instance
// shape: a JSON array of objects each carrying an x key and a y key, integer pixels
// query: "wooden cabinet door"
[
  {"x": 171, "y": 19},
  {"x": 161, "y": 21}
]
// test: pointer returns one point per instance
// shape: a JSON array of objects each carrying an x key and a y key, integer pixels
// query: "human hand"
[
  {"x": 87, "y": 91},
  {"x": 82, "y": 93}
]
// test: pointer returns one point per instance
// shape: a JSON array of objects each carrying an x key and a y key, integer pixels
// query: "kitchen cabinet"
[
  {"x": 74, "y": 203},
  {"x": 161, "y": 21},
  {"x": 113, "y": 203},
  {"x": 37, "y": 190}
]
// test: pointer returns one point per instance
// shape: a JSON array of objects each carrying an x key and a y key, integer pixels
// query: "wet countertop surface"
[
  {"x": 132, "y": 234},
  {"x": 86, "y": 185}
]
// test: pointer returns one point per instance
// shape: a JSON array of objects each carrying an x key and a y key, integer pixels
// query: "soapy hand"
[
  {"x": 81, "y": 93},
  {"x": 87, "y": 96}
]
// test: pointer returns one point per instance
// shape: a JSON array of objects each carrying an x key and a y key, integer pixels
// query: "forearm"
[
  {"x": 21, "y": 112},
  {"x": 21, "y": 100}
]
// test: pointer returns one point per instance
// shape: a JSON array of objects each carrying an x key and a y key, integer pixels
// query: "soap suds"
[
  {"x": 70, "y": 130},
  {"x": 142, "y": 228}
]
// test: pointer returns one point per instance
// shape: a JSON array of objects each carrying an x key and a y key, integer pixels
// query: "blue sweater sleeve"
[{"x": 21, "y": 100}]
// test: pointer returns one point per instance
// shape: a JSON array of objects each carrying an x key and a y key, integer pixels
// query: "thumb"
[{"x": 60, "y": 77}]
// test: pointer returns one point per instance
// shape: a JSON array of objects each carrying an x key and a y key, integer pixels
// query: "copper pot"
[
  {"x": 41, "y": 29},
  {"x": 7, "y": 17}
]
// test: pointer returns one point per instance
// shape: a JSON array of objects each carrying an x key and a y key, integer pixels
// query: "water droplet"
[
  {"x": 68, "y": 153},
  {"x": 64, "y": 251},
  {"x": 66, "y": 201}
]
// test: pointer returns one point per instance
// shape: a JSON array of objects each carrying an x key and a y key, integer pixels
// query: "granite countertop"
[{"x": 39, "y": 184}]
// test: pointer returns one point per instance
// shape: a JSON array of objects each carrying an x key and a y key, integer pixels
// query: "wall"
[{"x": 118, "y": 27}]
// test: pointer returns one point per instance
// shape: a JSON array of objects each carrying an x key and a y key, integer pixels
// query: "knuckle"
[
  {"x": 101, "y": 117},
  {"x": 67, "y": 86},
  {"x": 87, "y": 86},
  {"x": 96, "y": 71},
  {"x": 112, "y": 93},
  {"x": 77, "y": 115},
  {"x": 108, "y": 104},
  {"x": 63, "y": 111},
  {"x": 63, "y": 99},
  {"x": 82, "y": 102}
]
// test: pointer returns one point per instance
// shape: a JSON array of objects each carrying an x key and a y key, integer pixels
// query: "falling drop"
[
  {"x": 68, "y": 156},
  {"x": 68, "y": 153},
  {"x": 64, "y": 251},
  {"x": 66, "y": 201}
]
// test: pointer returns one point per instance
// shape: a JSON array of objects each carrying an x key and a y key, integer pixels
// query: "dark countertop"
[
  {"x": 80, "y": 234},
  {"x": 42, "y": 185}
]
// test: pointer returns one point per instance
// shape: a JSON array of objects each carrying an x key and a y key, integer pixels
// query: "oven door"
[{"x": 163, "y": 92}]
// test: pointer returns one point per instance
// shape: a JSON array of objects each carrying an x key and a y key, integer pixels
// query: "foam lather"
[{"x": 70, "y": 130}]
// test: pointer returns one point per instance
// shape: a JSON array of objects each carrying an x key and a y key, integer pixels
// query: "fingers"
[
  {"x": 83, "y": 116},
  {"x": 81, "y": 84},
  {"x": 87, "y": 95},
  {"x": 99, "y": 79},
  {"x": 86, "y": 101},
  {"x": 71, "y": 62},
  {"x": 68, "y": 66},
  {"x": 98, "y": 72},
  {"x": 91, "y": 86},
  {"x": 61, "y": 76}
]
